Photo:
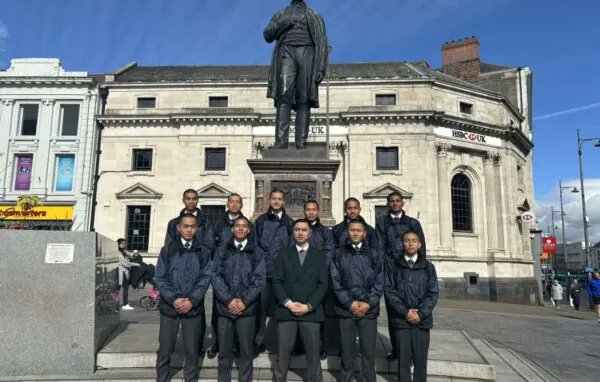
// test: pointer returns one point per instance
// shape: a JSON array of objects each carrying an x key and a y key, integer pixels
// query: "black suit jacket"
[{"x": 306, "y": 283}]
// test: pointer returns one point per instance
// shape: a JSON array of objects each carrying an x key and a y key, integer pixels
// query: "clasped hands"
[
  {"x": 359, "y": 308},
  {"x": 236, "y": 307},
  {"x": 413, "y": 316},
  {"x": 182, "y": 305},
  {"x": 297, "y": 308}
]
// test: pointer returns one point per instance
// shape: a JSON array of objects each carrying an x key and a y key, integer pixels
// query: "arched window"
[{"x": 462, "y": 211}]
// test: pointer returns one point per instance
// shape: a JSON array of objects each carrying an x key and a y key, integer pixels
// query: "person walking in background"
[
  {"x": 557, "y": 293},
  {"x": 125, "y": 266},
  {"x": 594, "y": 291},
  {"x": 575, "y": 292}
]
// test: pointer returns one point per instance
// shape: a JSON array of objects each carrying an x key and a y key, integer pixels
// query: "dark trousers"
[
  {"x": 244, "y": 328},
  {"x": 294, "y": 84},
  {"x": 125, "y": 290},
  {"x": 286, "y": 338},
  {"x": 265, "y": 306},
  {"x": 412, "y": 344},
  {"x": 214, "y": 323},
  {"x": 391, "y": 332},
  {"x": 367, "y": 334},
  {"x": 167, "y": 336}
]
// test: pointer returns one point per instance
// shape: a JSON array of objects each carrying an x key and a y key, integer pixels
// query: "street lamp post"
[
  {"x": 562, "y": 217},
  {"x": 588, "y": 257},
  {"x": 554, "y": 227}
]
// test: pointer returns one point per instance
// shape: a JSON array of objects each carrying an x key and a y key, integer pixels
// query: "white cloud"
[{"x": 573, "y": 211}]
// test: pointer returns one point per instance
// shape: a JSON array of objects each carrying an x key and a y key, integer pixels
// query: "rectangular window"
[
  {"x": 70, "y": 119},
  {"x": 142, "y": 160},
  {"x": 380, "y": 211},
  {"x": 385, "y": 99},
  {"x": 138, "y": 228},
  {"x": 387, "y": 158},
  {"x": 466, "y": 108},
  {"x": 23, "y": 166},
  {"x": 218, "y": 101},
  {"x": 146, "y": 102},
  {"x": 215, "y": 159},
  {"x": 213, "y": 213},
  {"x": 29, "y": 119},
  {"x": 65, "y": 172}
]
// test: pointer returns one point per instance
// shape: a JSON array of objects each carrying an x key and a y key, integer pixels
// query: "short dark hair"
[
  {"x": 189, "y": 191},
  {"x": 357, "y": 221},
  {"x": 351, "y": 199},
  {"x": 394, "y": 193},
  {"x": 234, "y": 194},
  {"x": 312, "y": 201},
  {"x": 411, "y": 232},
  {"x": 275, "y": 190},
  {"x": 302, "y": 220},
  {"x": 121, "y": 240},
  {"x": 188, "y": 215},
  {"x": 242, "y": 218}
]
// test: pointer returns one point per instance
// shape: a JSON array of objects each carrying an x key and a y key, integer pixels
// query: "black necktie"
[
  {"x": 396, "y": 220},
  {"x": 239, "y": 247},
  {"x": 187, "y": 245},
  {"x": 301, "y": 253},
  {"x": 411, "y": 263},
  {"x": 356, "y": 248}
]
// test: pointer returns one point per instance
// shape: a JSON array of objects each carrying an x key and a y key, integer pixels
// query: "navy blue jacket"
[
  {"x": 388, "y": 234},
  {"x": 238, "y": 274},
  {"x": 410, "y": 288},
  {"x": 356, "y": 276},
  {"x": 183, "y": 273},
  {"x": 272, "y": 234},
  {"x": 321, "y": 238},
  {"x": 340, "y": 233},
  {"x": 222, "y": 230},
  {"x": 204, "y": 234}
]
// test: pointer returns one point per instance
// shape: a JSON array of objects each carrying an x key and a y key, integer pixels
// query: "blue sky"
[{"x": 558, "y": 40}]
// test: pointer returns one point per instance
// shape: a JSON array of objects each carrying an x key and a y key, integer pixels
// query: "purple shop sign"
[{"x": 23, "y": 177}]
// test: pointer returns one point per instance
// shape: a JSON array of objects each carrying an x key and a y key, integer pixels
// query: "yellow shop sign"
[{"x": 38, "y": 213}]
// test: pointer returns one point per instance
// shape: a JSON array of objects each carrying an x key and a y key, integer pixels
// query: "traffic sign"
[{"x": 528, "y": 217}]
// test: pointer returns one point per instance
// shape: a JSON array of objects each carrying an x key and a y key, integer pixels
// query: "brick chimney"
[{"x": 460, "y": 59}]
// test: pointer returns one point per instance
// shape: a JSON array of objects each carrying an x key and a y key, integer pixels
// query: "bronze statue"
[{"x": 298, "y": 66}]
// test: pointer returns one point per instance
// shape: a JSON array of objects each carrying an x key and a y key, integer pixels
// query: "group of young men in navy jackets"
[{"x": 297, "y": 271}]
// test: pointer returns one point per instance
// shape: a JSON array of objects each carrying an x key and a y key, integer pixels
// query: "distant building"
[
  {"x": 47, "y": 144},
  {"x": 456, "y": 143},
  {"x": 575, "y": 261}
]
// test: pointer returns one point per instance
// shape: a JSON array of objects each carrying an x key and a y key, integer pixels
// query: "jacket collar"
[
  {"x": 403, "y": 218},
  {"x": 198, "y": 212},
  {"x": 248, "y": 248},
  {"x": 226, "y": 219},
  {"x": 272, "y": 216},
  {"x": 401, "y": 261}
]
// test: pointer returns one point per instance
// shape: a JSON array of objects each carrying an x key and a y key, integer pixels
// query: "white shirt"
[
  {"x": 183, "y": 241},
  {"x": 305, "y": 248},
  {"x": 279, "y": 214},
  {"x": 396, "y": 216},
  {"x": 232, "y": 217},
  {"x": 359, "y": 245},
  {"x": 243, "y": 243},
  {"x": 413, "y": 257}
]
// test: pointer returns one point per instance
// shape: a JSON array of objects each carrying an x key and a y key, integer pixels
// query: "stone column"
[
  {"x": 501, "y": 189},
  {"x": 490, "y": 200},
  {"x": 444, "y": 201}
]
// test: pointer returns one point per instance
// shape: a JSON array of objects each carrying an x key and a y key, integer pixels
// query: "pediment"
[
  {"x": 138, "y": 191},
  {"x": 213, "y": 190},
  {"x": 384, "y": 190}
]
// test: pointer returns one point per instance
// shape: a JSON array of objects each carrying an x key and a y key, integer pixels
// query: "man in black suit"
[{"x": 300, "y": 282}]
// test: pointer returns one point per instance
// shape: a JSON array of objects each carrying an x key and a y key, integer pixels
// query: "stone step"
[
  {"x": 517, "y": 363},
  {"x": 134, "y": 347},
  {"x": 504, "y": 372}
]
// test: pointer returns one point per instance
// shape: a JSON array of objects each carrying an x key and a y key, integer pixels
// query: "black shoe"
[
  {"x": 202, "y": 351},
  {"x": 391, "y": 356},
  {"x": 323, "y": 354},
  {"x": 212, "y": 352},
  {"x": 259, "y": 349}
]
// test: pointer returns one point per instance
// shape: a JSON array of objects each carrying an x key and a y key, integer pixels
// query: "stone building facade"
[
  {"x": 458, "y": 151},
  {"x": 47, "y": 144}
]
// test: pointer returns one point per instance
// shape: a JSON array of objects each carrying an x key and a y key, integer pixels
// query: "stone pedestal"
[
  {"x": 301, "y": 174},
  {"x": 55, "y": 316}
]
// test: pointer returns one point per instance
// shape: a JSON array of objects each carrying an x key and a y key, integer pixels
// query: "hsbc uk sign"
[{"x": 468, "y": 136}]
